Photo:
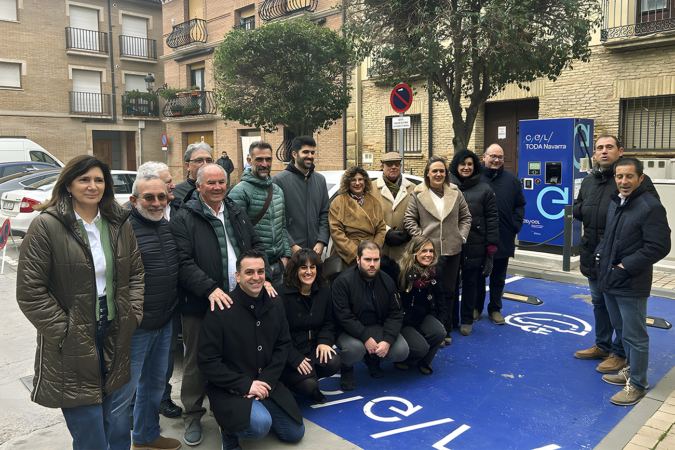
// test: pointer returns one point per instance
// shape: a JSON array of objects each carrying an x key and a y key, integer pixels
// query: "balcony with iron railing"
[
  {"x": 635, "y": 18},
  {"x": 133, "y": 106},
  {"x": 89, "y": 104},
  {"x": 79, "y": 40},
  {"x": 187, "y": 33},
  {"x": 275, "y": 9},
  {"x": 190, "y": 104},
  {"x": 138, "y": 48}
]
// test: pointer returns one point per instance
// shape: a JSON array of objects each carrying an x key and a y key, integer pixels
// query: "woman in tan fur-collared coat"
[
  {"x": 438, "y": 210},
  {"x": 355, "y": 216}
]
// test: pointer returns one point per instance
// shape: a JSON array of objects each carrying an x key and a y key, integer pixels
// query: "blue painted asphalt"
[{"x": 515, "y": 386}]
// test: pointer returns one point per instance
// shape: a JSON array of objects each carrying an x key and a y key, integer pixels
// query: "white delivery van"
[{"x": 19, "y": 149}]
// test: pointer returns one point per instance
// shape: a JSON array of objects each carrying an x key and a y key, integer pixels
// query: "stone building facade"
[
  {"x": 627, "y": 87},
  {"x": 65, "y": 67},
  {"x": 193, "y": 29}
]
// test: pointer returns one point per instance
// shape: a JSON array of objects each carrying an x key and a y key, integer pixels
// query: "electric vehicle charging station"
[{"x": 550, "y": 154}]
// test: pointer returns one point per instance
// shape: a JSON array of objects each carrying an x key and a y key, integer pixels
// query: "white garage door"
[
  {"x": 87, "y": 91},
  {"x": 84, "y": 28}
]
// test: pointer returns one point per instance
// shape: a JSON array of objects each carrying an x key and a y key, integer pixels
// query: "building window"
[
  {"x": 247, "y": 23},
  {"x": 10, "y": 75},
  {"x": 412, "y": 137},
  {"x": 8, "y": 10},
  {"x": 647, "y": 123},
  {"x": 197, "y": 75}
]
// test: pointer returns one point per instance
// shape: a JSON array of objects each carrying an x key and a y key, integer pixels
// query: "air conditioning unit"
[{"x": 657, "y": 169}]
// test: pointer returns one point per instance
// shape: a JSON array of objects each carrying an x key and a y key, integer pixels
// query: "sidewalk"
[{"x": 650, "y": 424}]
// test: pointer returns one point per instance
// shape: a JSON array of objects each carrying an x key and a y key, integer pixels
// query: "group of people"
[{"x": 241, "y": 272}]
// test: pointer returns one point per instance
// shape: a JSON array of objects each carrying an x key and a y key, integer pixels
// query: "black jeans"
[
  {"x": 497, "y": 282},
  {"x": 473, "y": 288},
  {"x": 423, "y": 341},
  {"x": 449, "y": 266}
]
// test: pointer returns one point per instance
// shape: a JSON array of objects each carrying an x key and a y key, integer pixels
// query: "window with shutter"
[
  {"x": 8, "y": 10},
  {"x": 10, "y": 75}
]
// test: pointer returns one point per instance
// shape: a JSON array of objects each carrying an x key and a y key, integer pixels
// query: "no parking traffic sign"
[
  {"x": 4, "y": 234},
  {"x": 401, "y": 98}
]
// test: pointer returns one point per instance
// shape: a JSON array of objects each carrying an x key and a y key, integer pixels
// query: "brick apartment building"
[
  {"x": 65, "y": 70},
  {"x": 628, "y": 88},
  {"x": 193, "y": 29}
]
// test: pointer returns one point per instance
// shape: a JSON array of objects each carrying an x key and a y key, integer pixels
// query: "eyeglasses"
[
  {"x": 201, "y": 160},
  {"x": 498, "y": 157},
  {"x": 393, "y": 163},
  {"x": 356, "y": 180},
  {"x": 151, "y": 198}
]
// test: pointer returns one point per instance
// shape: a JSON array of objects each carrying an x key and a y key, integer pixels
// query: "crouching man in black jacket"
[
  {"x": 636, "y": 237},
  {"x": 369, "y": 315},
  {"x": 242, "y": 352}
]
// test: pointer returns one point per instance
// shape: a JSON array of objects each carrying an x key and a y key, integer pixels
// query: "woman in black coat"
[
  {"x": 466, "y": 171},
  {"x": 423, "y": 302},
  {"x": 309, "y": 310}
]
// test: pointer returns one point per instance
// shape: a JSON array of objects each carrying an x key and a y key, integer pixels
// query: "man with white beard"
[{"x": 151, "y": 340}]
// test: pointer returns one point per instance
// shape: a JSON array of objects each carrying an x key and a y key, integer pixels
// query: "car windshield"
[
  {"x": 43, "y": 185},
  {"x": 329, "y": 186}
]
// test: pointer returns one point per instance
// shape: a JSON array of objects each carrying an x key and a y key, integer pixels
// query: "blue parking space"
[{"x": 511, "y": 387}]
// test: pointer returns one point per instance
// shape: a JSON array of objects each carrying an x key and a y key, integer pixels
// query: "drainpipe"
[
  {"x": 431, "y": 121},
  {"x": 112, "y": 65},
  {"x": 344, "y": 114},
  {"x": 141, "y": 126}
]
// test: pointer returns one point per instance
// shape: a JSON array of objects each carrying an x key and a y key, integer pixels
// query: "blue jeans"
[
  {"x": 149, "y": 358},
  {"x": 89, "y": 425},
  {"x": 268, "y": 414},
  {"x": 603, "y": 326},
  {"x": 629, "y": 317},
  {"x": 172, "y": 356}
]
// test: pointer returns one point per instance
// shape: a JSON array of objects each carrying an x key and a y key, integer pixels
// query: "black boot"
[
  {"x": 318, "y": 397},
  {"x": 230, "y": 441},
  {"x": 373, "y": 366},
  {"x": 347, "y": 378},
  {"x": 169, "y": 409}
]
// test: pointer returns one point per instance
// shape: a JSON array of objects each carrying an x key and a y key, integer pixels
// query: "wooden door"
[
  {"x": 501, "y": 127},
  {"x": 201, "y": 136},
  {"x": 131, "y": 150},
  {"x": 103, "y": 149}
]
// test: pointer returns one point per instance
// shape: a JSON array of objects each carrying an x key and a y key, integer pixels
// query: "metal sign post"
[{"x": 401, "y": 99}]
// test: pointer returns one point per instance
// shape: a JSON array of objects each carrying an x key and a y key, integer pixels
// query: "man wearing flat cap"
[{"x": 393, "y": 192}]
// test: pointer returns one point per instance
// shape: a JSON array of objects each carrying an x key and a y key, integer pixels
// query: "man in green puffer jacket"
[{"x": 251, "y": 195}]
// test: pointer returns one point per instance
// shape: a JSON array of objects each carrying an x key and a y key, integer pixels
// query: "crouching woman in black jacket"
[
  {"x": 423, "y": 306},
  {"x": 309, "y": 310}
]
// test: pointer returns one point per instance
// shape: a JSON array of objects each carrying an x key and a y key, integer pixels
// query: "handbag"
[
  {"x": 333, "y": 266},
  {"x": 488, "y": 263}
]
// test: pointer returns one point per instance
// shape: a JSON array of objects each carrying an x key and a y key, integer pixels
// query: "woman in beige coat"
[
  {"x": 438, "y": 210},
  {"x": 355, "y": 216}
]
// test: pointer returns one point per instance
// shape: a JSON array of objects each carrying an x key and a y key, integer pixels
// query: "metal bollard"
[{"x": 567, "y": 238}]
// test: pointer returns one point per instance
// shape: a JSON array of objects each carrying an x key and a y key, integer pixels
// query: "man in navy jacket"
[
  {"x": 636, "y": 237},
  {"x": 511, "y": 207}
]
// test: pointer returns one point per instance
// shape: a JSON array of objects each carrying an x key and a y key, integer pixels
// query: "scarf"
[
  {"x": 359, "y": 200},
  {"x": 393, "y": 187},
  {"x": 423, "y": 281},
  {"x": 438, "y": 192}
]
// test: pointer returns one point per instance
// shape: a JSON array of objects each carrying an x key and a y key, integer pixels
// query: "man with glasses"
[
  {"x": 167, "y": 407},
  {"x": 195, "y": 157},
  {"x": 264, "y": 203},
  {"x": 151, "y": 341},
  {"x": 393, "y": 192},
  {"x": 511, "y": 207},
  {"x": 210, "y": 232}
]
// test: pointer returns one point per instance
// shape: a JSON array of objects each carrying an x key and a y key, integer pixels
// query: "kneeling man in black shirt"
[{"x": 242, "y": 352}]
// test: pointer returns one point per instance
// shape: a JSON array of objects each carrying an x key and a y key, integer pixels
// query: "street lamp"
[{"x": 150, "y": 83}]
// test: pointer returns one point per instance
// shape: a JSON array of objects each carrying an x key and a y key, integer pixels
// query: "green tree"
[
  {"x": 288, "y": 73},
  {"x": 469, "y": 50}
]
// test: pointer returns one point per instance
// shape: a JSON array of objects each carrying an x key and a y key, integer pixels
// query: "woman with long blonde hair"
[{"x": 423, "y": 303}]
